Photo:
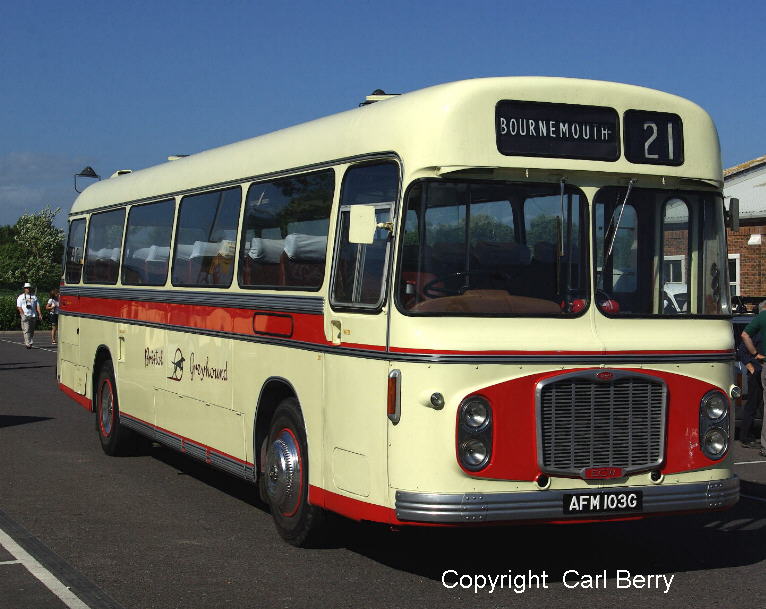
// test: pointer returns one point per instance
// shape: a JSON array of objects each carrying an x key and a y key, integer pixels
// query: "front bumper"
[{"x": 548, "y": 504}]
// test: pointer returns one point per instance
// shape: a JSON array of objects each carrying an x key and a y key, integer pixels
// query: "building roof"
[
  {"x": 731, "y": 171},
  {"x": 747, "y": 182}
]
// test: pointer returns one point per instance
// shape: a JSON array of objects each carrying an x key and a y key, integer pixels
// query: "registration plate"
[{"x": 603, "y": 502}]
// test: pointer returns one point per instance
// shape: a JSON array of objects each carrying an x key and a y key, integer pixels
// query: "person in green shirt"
[{"x": 755, "y": 327}]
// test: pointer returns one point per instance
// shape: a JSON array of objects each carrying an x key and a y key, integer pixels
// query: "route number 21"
[{"x": 653, "y": 138}]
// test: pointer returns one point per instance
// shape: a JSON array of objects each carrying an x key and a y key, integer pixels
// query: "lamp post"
[{"x": 88, "y": 172}]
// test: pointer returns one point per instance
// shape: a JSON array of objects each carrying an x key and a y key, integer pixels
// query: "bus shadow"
[
  {"x": 235, "y": 487},
  {"x": 9, "y": 420},
  {"x": 661, "y": 545}
]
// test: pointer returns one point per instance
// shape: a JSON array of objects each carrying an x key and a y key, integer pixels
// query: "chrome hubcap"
[
  {"x": 283, "y": 473},
  {"x": 106, "y": 405}
]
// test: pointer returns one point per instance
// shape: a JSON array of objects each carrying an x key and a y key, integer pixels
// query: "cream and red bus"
[{"x": 445, "y": 307}]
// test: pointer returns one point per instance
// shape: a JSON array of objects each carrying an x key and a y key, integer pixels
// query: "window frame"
[
  {"x": 330, "y": 170},
  {"x": 393, "y": 206},
  {"x": 121, "y": 208},
  {"x": 171, "y": 244},
  {"x": 736, "y": 283},
  {"x": 664, "y": 195},
  {"x": 83, "y": 219},
  {"x": 177, "y": 228},
  {"x": 585, "y": 231}
]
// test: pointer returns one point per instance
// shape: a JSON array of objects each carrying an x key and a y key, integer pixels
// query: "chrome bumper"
[{"x": 548, "y": 504}]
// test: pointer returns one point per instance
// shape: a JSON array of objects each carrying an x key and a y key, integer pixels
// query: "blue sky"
[{"x": 124, "y": 85}]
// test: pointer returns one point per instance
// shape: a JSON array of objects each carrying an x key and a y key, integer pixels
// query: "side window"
[
  {"x": 360, "y": 269},
  {"x": 74, "y": 251},
  {"x": 102, "y": 260},
  {"x": 205, "y": 239},
  {"x": 147, "y": 243},
  {"x": 675, "y": 257},
  {"x": 284, "y": 232}
]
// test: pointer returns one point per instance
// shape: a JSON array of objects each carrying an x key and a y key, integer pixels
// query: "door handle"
[{"x": 336, "y": 330}]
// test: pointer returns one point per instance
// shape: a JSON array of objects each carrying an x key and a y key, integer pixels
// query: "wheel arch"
[
  {"x": 102, "y": 354},
  {"x": 274, "y": 390}
]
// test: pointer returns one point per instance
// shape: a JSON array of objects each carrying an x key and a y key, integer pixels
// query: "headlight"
[
  {"x": 715, "y": 405},
  {"x": 715, "y": 425},
  {"x": 475, "y": 413},
  {"x": 715, "y": 442},
  {"x": 474, "y": 433},
  {"x": 474, "y": 454}
]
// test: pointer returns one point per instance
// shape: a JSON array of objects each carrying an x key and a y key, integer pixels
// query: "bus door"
[{"x": 356, "y": 322}]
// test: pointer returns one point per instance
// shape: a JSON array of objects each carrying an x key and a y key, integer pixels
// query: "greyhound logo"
[{"x": 178, "y": 366}]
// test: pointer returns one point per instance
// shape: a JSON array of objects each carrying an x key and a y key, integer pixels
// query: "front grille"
[{"x": 585, "y": 422}]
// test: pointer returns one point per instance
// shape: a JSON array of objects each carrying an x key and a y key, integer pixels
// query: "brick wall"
[{"x": 752, "y": 259}]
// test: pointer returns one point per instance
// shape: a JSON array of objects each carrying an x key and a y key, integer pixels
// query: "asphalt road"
[{"x": 161, "y": 531}]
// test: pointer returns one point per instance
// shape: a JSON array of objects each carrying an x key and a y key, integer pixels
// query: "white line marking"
[
  {"x": 747, "y": 462},
  {"x": 13, "y": 342},
  {"x": 10, "y": 562},
  {"x": 753, "y": 498},
  {"x": 46, "y": 577}
]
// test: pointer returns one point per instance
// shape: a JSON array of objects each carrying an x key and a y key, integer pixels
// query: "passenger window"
[
  {"x": 205, "y": 239},
  {"x": 284, "y": 232},
  {"x": 360, "y": 269},
  {"x": 102, "y": 261},
  {"x": 147, "y": 243},
  {"x": 74, "y": 251}
]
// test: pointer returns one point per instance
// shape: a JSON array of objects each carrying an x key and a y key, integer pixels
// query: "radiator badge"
[{"x": 602, "y": 473}]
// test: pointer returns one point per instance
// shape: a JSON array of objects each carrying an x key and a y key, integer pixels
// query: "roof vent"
[
  {"x": 175, "y": 157},
  {"x": 121, "y": 172},
  {"x": 376, "y": 96}
]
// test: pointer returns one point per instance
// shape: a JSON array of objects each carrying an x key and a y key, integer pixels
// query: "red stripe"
[
  {"x": 80, "y": 399},
  {"x": 307, "y": 328},
  {"x": 352, "y": 508}
]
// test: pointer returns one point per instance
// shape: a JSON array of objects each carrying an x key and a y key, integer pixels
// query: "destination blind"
[{"x": 557, "y": 130}]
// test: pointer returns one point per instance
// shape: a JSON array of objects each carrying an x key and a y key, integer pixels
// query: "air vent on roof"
[
  {"x": 175, "y": 157},
  {"x": 121, "y": 172},
  {"x": 376, "y": 96}
]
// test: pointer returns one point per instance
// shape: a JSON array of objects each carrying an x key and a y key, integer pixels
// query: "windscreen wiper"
[{"x": 617, "y": 224}]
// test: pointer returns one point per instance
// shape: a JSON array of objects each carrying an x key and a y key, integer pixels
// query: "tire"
[
  {"x": 116, "y": 440},
  {"x": 284, "y": 481}
]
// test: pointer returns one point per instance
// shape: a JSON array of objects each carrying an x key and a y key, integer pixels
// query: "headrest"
[
  {"x": 305, "y": 248},
  {"x": 266, "y": 250},
  {"x": 158, "y": 253}
]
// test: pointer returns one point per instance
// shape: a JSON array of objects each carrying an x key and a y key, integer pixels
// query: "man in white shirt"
[{"x": 29, "y": 310}]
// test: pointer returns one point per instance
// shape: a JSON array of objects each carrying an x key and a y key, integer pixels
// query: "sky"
[{"x": 124, "y": 86}]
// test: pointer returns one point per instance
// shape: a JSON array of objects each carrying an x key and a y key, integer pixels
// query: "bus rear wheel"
[
  {"x": 115, "y": 439},
  {"x": 285, "y": 476}
]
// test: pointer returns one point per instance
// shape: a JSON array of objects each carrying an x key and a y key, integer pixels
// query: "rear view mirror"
[
  {"x": 732, "y": 214},
  {"x": 362, "y": 224}
]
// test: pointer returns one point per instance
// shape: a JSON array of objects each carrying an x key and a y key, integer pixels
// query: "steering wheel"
[{"x": 432, "y": 291}]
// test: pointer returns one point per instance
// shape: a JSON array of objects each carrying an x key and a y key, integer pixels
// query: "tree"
[{"x": 37, "y": 251}]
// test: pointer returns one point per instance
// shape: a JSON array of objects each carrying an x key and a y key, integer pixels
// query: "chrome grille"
[{"x": 586, "y": 422}]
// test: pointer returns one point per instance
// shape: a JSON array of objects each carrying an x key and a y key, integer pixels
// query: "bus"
[{"x": 446, "y": 307}]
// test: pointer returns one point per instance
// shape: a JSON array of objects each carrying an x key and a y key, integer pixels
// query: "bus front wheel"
[{"x": 285, "y": 478}]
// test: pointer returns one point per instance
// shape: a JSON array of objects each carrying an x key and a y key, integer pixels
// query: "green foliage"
[
  {"x": 9, "y": 314},
  {"x": 34, "y": 253}
]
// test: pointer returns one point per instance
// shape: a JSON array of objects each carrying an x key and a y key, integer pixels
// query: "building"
[{"x": 747, "y": 248}]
